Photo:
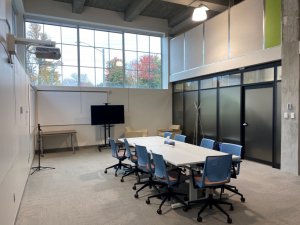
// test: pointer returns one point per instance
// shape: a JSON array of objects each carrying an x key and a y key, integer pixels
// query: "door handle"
[{"x": 245, "y": 124}]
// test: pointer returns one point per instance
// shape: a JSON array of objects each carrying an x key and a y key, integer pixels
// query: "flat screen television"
[{"x": 107, "y": 114}]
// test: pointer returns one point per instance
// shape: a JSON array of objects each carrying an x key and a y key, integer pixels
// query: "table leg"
[{"x": 72, "y": 143}]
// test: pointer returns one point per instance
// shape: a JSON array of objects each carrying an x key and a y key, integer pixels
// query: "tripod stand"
[{"x": 39, "y": 167}]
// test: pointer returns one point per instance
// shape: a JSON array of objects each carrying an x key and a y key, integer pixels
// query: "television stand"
[{"x": 106, "y": 127}]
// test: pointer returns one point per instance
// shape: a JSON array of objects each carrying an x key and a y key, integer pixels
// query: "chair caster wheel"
[
  {"x": 231, "y": 208},
  {"x": 136, "y": 195},
  {"x": 122, "y": 180},
  {"x": 229, "y": 220},
  {"x": 159, "y": 211},
  {"x": 199, "y": 219},
  {"x": 243, "y": 199},
  {"x": 185, "y": 209},
  {"x": 185, "y": 198},
  {"x": 148, "y": 201},
  {"x": 116, "y": 174},
  {"x": 105, "y": 171},
  {"x": 159, "y": 197},
  {"x": 134, "y": 187}
]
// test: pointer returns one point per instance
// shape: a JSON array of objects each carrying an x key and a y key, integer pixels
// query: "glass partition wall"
[{"x": 222, "y": 106}]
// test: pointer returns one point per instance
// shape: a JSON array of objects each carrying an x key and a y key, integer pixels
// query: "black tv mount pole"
[
  {"x": 39, "y": 167},
  {"x": 106, "y": 126}
]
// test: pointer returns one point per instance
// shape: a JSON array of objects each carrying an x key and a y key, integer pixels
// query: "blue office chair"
[
  {"x": 172, "y": 178},
  {"x": 133, "y": 158},
  {"x": 147, "y": 165},
  {"x": 216, "y": 172},
  {"x": 121, "y": 156},
  {"x": 167, "y": 134},
  {"x": 234, "y": 150},
  {"x": 207, "y": 143},
  {"x": 179, "y": 137}
]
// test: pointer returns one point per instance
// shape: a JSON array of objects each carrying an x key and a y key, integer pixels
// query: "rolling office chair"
[
  {"x": 167, "y": 134},
  {"x": 121, "y": 156},
  {"x": 216, "y": 172},
  {"x": 179, "y": 137},
  {"x": 172, "y": 178},
  {"x": 147, "y": 165},
  {"x": 234, "y": 150},
  {"x": 133, "y": 158},
  {"x": 207, "y": 143}
]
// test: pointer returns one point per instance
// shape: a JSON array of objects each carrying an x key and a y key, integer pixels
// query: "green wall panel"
[{"x": 273, "y": 23}]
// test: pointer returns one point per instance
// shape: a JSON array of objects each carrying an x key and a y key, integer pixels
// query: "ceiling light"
[
  {"x": 200, "y": 13},
  {"x": 119, "y": 63}
]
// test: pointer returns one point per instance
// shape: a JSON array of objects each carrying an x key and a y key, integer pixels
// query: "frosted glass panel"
[
  {"x": 278, "y": 125},
  {"x": 208, "y": 113},
  {"x": 246, "y": 27},
  {"x": 194, "y": 47},
  {"x": 178, "y": 87},
  {"x": 209, "y": 83},
  {"x": 279, "y": 73},
  {"x": 258, "y": 116},
  {"x": 191, "y": 85},
  {"x": 190, "y": 114},
  {"x": 258, "y": 76},
  {"x": 178, "y": 109},
  {"x": 229, "y": 115},
  {"x": 230, "y": 80},
  {"x": 176, "y": 54},
  {"x": 216, "y": 38}
]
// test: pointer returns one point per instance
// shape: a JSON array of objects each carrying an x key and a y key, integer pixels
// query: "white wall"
[
  {"x": 232, "y": 40},
  {"x": 144, "y": 109},
  {"x": 17, "y": 144}
]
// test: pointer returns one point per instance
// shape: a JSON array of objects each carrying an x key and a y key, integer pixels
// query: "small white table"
[
  {"x": 182, "y": 154},
  {"x": 61, "y": 132}
]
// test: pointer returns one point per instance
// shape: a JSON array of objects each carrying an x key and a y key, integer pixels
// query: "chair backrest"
[
  {"x": 216, "y": 169},
  {"x": 174, "y": 127},
  {"x": 179, "y": 137},
  {"x": 114, "y": 151},
  {"x": 143, "y": 158},
  {"x": 207, "y": 143},
  {"x": 160, "y": 167},
  {"x": 167, "y": 134},
  {"x": 231, "y": 149},
  {"x": 128, "y": 152},
  {"x": 129, "y": 128},
  {"x": 234, "y": 150}
]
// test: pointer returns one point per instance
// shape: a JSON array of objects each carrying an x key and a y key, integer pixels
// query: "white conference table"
[{"x": 182, "y": 154}]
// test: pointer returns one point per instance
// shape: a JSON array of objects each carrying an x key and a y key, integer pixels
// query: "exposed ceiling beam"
[
  {"x": 77, "y": 6},
  {"x": 215, "y": 5},
  {"x": 189, "y": 24},
  {"x": 135, "y": 8},
  {"x": 180, "y": 16}
]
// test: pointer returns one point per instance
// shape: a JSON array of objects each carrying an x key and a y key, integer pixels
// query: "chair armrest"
[{"x": 132, "y": 134}]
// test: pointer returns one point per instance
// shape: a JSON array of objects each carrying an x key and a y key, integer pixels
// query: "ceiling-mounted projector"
[
  {"x": 42, "y": 52},
  {"x": 42, "y": 49}
]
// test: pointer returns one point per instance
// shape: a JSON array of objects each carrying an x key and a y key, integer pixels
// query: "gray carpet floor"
[{"x": 78, "y": 192}]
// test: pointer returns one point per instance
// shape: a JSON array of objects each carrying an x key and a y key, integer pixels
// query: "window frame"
[{"x": 108, "y": 48}]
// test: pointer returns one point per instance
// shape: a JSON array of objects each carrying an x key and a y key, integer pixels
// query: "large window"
[{"x": 98, "y": 58}]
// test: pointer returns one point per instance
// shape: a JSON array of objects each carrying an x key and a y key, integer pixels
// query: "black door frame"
[{"x": 257, "y": 86}]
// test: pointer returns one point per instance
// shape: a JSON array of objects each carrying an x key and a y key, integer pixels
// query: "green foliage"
[{"x": 42, "y": 72}]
